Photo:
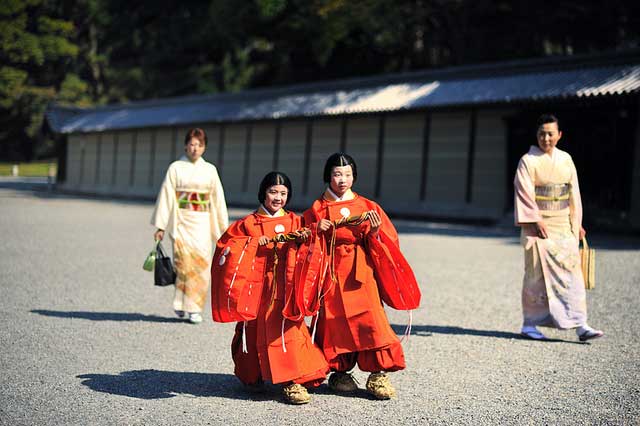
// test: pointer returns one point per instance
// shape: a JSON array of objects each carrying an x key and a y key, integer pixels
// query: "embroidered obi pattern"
[{"x": 194, "y": 201}]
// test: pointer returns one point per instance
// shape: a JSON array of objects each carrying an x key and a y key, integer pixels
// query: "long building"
[{"x": 435, "y": 144}]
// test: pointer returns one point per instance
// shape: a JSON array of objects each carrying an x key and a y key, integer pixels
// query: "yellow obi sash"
[{"x": 553, "y": 196}]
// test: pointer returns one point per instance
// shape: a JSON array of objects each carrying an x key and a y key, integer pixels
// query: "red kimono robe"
[
  {"x": 266, "y": 358},
  {"x": 352, "y": 326}
]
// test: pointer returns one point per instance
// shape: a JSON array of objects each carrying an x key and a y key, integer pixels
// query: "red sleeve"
[
  {"x": 312, "y": 214},
  {"x": 387, "y": 226},
  {"x": 296, "y": 221},
  {"x": 236, "y": 229}
]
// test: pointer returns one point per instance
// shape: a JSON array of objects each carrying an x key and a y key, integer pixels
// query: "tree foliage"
[{"x": 92, "y": 52}]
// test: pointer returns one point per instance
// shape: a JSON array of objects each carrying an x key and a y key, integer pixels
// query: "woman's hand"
[
  {"x": 583, "y": 233},
  {"x": 158, "y": 235},
  {"x": 541, "y": 230},
  {"x": 263, "y": 241},
  {"x": 304, "y": 236},
  {"x": 324, "y": 225},
  {"x": 375, "y": 221}
]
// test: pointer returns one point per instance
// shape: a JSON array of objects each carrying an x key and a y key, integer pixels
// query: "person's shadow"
[
  {"x": 105, "y": 316},
  {"x": 155, "y": 384},
  {"x": 428, "y": 330}
]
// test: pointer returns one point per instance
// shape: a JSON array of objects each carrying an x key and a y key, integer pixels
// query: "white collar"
[
  {"x": 536, "y": 149},
  {"x": 185, "y": 158},
  {"x": 262, "y": 211},
  {"x": 348, "y": 195}
]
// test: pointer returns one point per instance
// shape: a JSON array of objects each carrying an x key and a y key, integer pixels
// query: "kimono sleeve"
[
  {"x": 396, "y": 281},
  {"x": 386, "y": 226},
  {"x": 296, "y": 222},
  {"x": 163, "y": 216},
  {"x": 525, "y": 207},
  {"x": 311, "y": 216},
  {"x": 218, "y": 211},
  {"x": 235, "y": 296},
  {"x": 237, "y": 229},
  {"x": 575, "y": 202}
]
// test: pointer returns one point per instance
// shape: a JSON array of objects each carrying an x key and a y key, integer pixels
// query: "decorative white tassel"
[
  {"x": 407, "y": 330},
  {"x": 233, "y": 278},
  {"x": 244, "y": 338},
  {"x": 284, "y": 347},
  {"x": 313, "y": 329}
]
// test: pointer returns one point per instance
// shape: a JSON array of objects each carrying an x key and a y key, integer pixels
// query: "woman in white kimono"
[
  {"x": 548, "y": 208},
  {"x": 192, "y": 209}
]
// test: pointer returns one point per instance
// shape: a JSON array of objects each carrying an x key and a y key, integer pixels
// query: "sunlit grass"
[{"x": 40, "y": 168}]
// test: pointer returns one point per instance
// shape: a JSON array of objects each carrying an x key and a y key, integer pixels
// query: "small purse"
[
  {"x": 150, "y": 261},
  {"x": 164, "y": 273},
  {"x": 588, "y": 261}
]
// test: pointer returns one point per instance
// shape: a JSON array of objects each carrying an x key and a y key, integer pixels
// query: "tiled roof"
[{"x": 506, "y": 83}]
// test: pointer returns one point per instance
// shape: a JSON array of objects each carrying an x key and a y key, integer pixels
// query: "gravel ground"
[{"x": 87, "y": 339}]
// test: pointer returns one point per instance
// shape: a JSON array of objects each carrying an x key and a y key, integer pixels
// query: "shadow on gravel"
[
  {"x": 358, "y": 393},
  {"x": 155, "y": 384},
  {"x": 105, "y": 316},
  {"x": 456, "y": 230},
  {"x": 428, "y": 330},
  {"x": 604, "y": 241},
  {"x": 39, "y": 185}
]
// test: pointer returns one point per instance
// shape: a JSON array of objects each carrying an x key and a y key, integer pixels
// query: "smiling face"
[
  {"x": 275, "y": 198},
  {"x": 194, "y": 149},
  {"x": 341, "y": 180},
  {"x": 548, "y": 137}
]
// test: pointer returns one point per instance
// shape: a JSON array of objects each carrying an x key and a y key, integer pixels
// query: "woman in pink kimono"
[
  {"x": 548, "y": 208},
  {"x": 191, "y": 208}
]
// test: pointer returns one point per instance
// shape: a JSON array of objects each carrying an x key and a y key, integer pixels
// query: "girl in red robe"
[
  {"x": 274, "y": 349},
  {"x": 352, "y": 327}
]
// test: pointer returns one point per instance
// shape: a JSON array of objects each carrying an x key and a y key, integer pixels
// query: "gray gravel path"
[{"x": 87, "y": 339}]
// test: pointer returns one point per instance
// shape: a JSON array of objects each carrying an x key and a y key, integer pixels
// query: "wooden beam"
[
  {"x": 307, "y": 157},
  {"x": 98, "y": 149},
  {"x": 471, "y": 155},
  {"x": 426, "y": 134},
  {"x": 115, "y": 159},
  {"x": 247, "y": 158},
  {"x": 221, "y": 148},
  {"x": 153, "y": 157},
  {"x": 380, "y": 151},
  {"x": 276, "y": 145},
  {"x": 134, "y": 142},
  {"x": 174, "y": 142},
  {"x": 81, "y": 177},
  {"x": 343, "y": 135}
]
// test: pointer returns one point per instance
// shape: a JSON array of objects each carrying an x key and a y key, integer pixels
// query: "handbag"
[
  {"x": 150, "y": 261},
  {"x": 164, "y": 273},
  {"x": 588, "y": 261}
]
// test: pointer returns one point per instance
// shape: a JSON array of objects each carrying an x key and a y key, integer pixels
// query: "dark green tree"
[
  {"x": 35, "y": 45},
  {"x": 92, "y": 52}
]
